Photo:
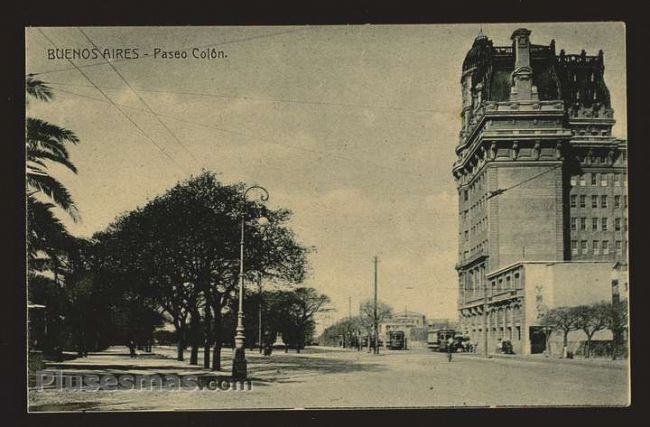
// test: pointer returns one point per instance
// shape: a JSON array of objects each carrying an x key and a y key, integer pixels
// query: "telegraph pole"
[
  {"x": 259, "y": 312},
  {"x": 375, "y": 320}
]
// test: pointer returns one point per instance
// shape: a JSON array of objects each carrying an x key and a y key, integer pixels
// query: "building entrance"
[{"x": 537, "y": 339}]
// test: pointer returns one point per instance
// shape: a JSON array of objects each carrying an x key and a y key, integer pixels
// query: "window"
[
  {"x": 594, "y": 201},
  {"x": 603, "y": 180},
  {"x": 617, "y": 224},
  {"x": 583, "y": 182},
  {"x": 619, "y": 247},
  {"x": 573, "y": 181},
  {"x": 583, "y": 201},
  {"x": 573, "y": 201},
  {"x": 605, "y": 247},
  {"x": 603, "y": 201},
  {"x": 574, "y": 247},
  {"x": 594, "y": 224},
  {"x": 594, "y": 179},
  {"x": 617, "y": 202},
  {"x": 583, "y": 224},
  {"x": 574, "y": 224},
  {"x": 466, "y": 235},
  {"x": 583, "y": 246},
  {"x": 596, "y": 247},
  {"x": 617, "y": 180},
  {"x": 603, "y": 225},
  {"x": 465, "y": 195}
]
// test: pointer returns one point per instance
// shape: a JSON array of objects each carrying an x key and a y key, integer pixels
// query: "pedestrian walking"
[
  {"x": 450, "y": 348},
  {"x": 132, "y": 349}
]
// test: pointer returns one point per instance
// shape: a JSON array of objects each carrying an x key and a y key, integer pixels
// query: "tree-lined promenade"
[{"x": 175, "y": 260}]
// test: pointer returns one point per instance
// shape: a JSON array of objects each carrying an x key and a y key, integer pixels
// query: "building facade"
[
  {"x": 540, "y": 179},
  {"x": 413, "y": 324}
]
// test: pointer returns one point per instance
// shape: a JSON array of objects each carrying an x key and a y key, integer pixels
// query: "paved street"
[{"x": 329, "y": 377}]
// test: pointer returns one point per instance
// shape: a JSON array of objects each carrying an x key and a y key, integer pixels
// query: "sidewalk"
[{"x": 542, "y": 358}]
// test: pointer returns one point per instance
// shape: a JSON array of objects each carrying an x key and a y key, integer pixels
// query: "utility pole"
[
  {"x": 259, "y": 312},
  {"x": 616, "y": 299},
  {"x": 349, "y": 307},
  {"x": 375, "y": 319}
]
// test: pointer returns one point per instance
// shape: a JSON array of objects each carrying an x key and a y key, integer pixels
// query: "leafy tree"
[
  {"x": 591, "y": 319},
  {"x": 347, "y": 328},
  {"x": 182, "y": 249},
  {"x": 370, "y": 321},
  {"x": 299, "y": 308},
  {"x": 563, "y": 319},
  {"x": 291, "y": 313},
  {"x": 617, "y": 323}
]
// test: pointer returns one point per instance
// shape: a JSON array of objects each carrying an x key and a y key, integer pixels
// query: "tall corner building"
[{"x": 542, "y": 189}]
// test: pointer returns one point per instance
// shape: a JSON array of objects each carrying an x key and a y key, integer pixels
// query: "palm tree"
[
  {"x": 45, "y": 235},
  {"x": 37, "y": 89},
  {"x": 46, "y": 143}
]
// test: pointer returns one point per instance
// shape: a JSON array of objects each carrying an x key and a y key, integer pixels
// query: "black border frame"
[{"x": 13, "y": 392}]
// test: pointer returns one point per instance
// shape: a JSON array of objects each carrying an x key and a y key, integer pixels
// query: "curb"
[{"x": 575, "y": 362}]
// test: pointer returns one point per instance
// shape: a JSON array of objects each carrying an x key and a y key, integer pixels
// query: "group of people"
[{"x": 502, "y": 346}]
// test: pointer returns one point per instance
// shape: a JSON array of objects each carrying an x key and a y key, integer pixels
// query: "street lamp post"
[
  {"x": 375, "y": 314},
  {"x": 239, "y": 370}
]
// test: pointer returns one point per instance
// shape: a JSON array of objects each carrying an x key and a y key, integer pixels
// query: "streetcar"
[
  {"x": 438, "y": 340},
  {"x": 396, "y": 340}
]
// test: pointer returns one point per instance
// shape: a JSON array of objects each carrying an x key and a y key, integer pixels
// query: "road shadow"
[{"x": 286, "y": 368}]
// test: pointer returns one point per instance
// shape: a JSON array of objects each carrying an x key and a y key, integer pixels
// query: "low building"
[
  {"x": 413, "y": 324},
  {"x": 518, "y": 295}
]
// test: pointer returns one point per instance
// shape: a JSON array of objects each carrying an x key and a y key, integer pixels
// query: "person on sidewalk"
[{"x": 131, "y": 346}]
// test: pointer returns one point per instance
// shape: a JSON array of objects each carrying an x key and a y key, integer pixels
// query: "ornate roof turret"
[{"x": 479, "y": 52}]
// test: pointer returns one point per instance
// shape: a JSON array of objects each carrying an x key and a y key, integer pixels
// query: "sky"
[{"x": 353, "y": 128}]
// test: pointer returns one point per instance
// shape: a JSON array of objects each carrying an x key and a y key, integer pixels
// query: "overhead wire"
[
  {"x": 503, "y": 190},
  {"x": 248, "y": 135},
  {"x": 140, "y": 98},
  {"x": 271, "y": 100},
  {"x": 142, "y": 131}
]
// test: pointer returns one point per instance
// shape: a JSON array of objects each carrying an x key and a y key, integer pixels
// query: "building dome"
[{"x": 478, "y": 53}]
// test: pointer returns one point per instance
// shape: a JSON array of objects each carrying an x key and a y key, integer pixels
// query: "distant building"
[
  {"x": 413, "y": 324},
  {"x": 442, "y": 324},
  {"x": 542, "y": 188}
]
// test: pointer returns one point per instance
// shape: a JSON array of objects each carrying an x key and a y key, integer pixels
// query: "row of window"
[
  {"x": 509, "y": 334},
  {"x": 581, "y": 200},
  {"x": 620, "y": 224},
  {"x": 478, "y": 184},
  {"x": 479, "y": 205},
  {"x": 481, "y": 247},
  {"x": 599, "y": 178},
  {"x": 597, "y": 247},
  {"x": 478, "y": 227}
]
